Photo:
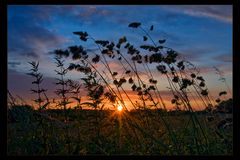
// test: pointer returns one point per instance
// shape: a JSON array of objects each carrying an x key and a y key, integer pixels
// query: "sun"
[{"x": 119, "y": 108}]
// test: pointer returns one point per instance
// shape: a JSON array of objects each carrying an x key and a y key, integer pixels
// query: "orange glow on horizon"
[{"x": 130, "y": 102}]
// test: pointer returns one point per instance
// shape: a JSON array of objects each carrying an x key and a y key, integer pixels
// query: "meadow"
[{"x": 31, "y": 132}]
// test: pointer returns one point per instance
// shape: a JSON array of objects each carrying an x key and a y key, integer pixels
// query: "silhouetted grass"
[
  {"x": 25, "y": 137},
  {"x": 148, "y": 129}
]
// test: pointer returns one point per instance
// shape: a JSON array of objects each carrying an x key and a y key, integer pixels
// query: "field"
[{"x": 107, "y": 132}]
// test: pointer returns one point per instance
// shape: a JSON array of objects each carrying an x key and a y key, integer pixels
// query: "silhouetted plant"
[
  {"x": 11, "y": 100},
  {"x": 67, "y": 86},
  {"x": 74, "y": 90},
  {"x": 222, "y": 78},
  {"x": 107, "y": 86},
  {"x": 63, "y": 91},
  {"x": 38, "y": 80},
  {"x": 95, "y": 90}
]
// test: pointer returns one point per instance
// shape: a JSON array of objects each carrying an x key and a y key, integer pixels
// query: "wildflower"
[
  {"x": 222, "y": 93},
  {"x": 175, "y": 79},
  {"x": 204, "y": 92},
  {"x": 162, "y": 69},
  {"x": 218, "y": 100},
  {"x": 145, "y": 38},
  {"x": 193, "y": 75},
  {"x": 151, "y": 28},
  {"x": 200, "y": 78},
  {"x": 134, "y": 25},
  {"x": 101, "y": 42},
  {"x": 134, "y": 87},
  {"x": 83, "y": 35},
  {"x": 202, "y": 84},
  {"x": 180, "y": 65},
  {"x": 96, "y": 59},
  {"x": 130, "y": 80},
  {"x": 128, "y": 71},
  {"x": 114, "y": 73},
  {"x": 162, "y": 41}
]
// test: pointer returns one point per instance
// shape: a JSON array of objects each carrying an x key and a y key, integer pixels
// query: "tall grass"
[
  {"x": 39, "y": 90},
  {"x": 150, "y": 126},
  {"x": 178, "y": 80}
]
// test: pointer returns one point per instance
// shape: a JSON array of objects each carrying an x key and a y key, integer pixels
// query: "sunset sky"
[{"x": 201, "y": 34}]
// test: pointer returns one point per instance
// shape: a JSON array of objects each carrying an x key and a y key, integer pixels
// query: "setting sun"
[{"x": 119, "y": 108}]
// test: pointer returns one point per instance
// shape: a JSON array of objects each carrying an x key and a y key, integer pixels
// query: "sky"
[{"x": 201, "y": 34}]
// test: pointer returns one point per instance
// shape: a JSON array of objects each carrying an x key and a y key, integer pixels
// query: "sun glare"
[{"x": 119, "y": 108}]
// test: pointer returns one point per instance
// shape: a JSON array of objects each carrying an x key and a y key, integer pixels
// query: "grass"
[
  {"x": 119, "y": 134},
  {"x": 147, "y": 129}
]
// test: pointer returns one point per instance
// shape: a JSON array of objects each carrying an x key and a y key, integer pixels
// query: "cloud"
[
  {"x": 21, "y": 83},
  {"x": 26, "y": 35},
  {"x": 195, "y": 53},
  {"x": 219, "y": 12},
  {"x": 29, "y": 39},
  {"x": 223, "y": 58},
  {"x": 33, "y": 39},
  {"x": 89, "y": 11},
  {"x": 14, "y": 64},
  {"x": 31, "y": 55}
]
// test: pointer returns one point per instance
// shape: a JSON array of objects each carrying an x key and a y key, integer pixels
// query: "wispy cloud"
[
  {"x": 27, "y": 36},
  {"x": 196, "y": 53},
  {"x": 219, "y": 12},
  {"x": 223, "y": 58},
  {"x": 89, "y": 11},
  {"x": 33, "y": 55},
  {"x": 14, "y": 64}
]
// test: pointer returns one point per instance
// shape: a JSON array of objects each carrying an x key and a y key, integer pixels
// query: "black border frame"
[{"x": 236, "y": 79}]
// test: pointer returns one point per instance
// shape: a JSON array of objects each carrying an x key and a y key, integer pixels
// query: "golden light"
[{"x": 119, "y": 108}]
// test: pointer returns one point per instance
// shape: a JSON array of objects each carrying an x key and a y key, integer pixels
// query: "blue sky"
[{"x": 201, "y": 33}]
